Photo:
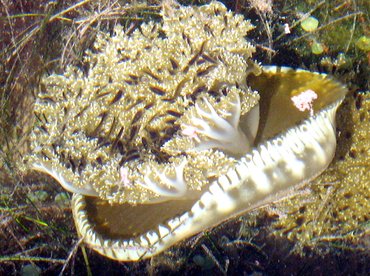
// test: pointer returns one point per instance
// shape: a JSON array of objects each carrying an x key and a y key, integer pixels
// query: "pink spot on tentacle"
[
  {"x": 304, "y": 100},
  {"x": 124, "y": 177},
  {"x": 191, "y": 132}
]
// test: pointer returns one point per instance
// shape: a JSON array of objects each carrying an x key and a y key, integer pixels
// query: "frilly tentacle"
[
  {"x": 168, "y": 187},
  {"x": 218, "y": 132}
]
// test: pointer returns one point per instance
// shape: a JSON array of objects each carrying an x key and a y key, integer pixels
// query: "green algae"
[
  {"x": 310, "y": 24},
  {"x": 363, "y": 43},
  {"x": 38, "y": 196},
  {"x": 317, "y": 48}
]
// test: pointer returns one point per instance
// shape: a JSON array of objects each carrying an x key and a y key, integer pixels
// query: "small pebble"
[
  {"x": 62, "y": 199},
  {"x": 38, "y": 196},
  {"x": 204, "y": 262},
  {"x": 30, "y": 270}
]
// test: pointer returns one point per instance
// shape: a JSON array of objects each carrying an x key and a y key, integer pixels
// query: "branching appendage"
[
  {"x": 164, "y": 185},
  {"x": 210, "y": 130},
  {"x": 102, "y": 128}
]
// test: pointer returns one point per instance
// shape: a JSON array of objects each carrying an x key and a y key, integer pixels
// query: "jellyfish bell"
[{"x": 291, "y": 148}]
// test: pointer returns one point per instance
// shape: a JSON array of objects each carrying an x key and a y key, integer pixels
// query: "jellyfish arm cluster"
[
  {"x": 211, "y": 130},
  {"x": 160, "y": 137}
]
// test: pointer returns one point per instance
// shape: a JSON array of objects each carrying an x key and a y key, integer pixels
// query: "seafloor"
[{"x": 322, "y": 229}]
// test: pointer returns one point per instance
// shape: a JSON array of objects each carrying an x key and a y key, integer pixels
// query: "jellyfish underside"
[{"x": 132, "y": 226}]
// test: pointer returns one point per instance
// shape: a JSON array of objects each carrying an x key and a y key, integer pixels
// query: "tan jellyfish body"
[
  {"x": 283, "y": 158},
  {"x": 165, "y": 135}
]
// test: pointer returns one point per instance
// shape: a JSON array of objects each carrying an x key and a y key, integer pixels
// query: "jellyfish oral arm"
[{"x": 210, "y": 130}]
